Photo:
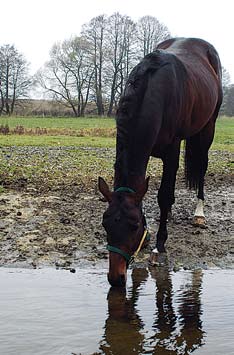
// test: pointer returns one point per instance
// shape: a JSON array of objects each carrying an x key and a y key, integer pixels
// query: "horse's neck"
[
  {"x": 130, "y": 169},
  {"x": 130, "y": 181}
]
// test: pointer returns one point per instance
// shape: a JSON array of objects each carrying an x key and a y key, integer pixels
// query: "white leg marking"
[{"x": 199, "y": 212}]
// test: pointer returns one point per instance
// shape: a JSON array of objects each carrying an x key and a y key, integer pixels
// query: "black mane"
[{"x": 129, "y": 110}]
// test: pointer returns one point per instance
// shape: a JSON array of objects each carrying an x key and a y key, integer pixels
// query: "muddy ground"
[{"x": 63, "y": 228}]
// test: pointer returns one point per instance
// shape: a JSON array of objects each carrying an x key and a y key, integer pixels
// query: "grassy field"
[
  {"x": 58, "y": 122},
  {"x": 74, "y": 152},
  {"x": 55, "y": 141},
  {"x": 86, "y": 132}
]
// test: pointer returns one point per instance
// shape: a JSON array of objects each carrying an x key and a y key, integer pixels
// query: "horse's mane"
[
  {"x": 137, "y": 83},
  {"x": 130, "y": 105},
  {"x": 136, "y": 86},
  {"x": 131, "y": 101}
]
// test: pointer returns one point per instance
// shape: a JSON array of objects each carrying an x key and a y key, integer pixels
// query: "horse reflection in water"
[
  {"x": 123, "y": 333},
  {"x": 175, "y": 331}
]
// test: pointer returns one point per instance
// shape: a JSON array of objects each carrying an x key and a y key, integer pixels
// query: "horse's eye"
[{"x": 134, "y": 226}]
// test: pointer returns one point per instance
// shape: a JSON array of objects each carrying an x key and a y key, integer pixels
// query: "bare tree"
[
  {"x": 95, "y": 32},
  {"x": 96, "y": 65},
  {"x": 120, "y": 39},
  {"x": 229, "y": 101},
  {"x": 226, "y": 79},
  {"x": 227, "y": 104},
  {"x": 14, "y": 78},
  {"x": 68, "y": 74},
  {"x": 150, "y": 32}
]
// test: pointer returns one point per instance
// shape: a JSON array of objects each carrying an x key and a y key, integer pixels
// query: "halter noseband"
[
  {"x": 146, "y": 236},
  {"x": 124, "y": 189},
  {"x": 130, "y": 258}
]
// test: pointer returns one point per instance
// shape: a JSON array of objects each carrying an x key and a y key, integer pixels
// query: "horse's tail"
[{"x": 193, "y": 161}]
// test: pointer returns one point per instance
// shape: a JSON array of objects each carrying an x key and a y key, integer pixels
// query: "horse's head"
[{"x": 125, "y": 225}]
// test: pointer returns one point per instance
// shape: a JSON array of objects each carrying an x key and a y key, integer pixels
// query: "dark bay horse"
[{"x": 173, "y": 94}]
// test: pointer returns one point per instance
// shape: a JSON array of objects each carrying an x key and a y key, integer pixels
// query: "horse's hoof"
[
  {"x": 157, "y": 259},
  {"x": 153, "y": 259},
  {"x": 199, "y": 221}
]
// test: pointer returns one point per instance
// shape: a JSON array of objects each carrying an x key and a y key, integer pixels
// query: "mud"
[{"x": 63, "y": 228}]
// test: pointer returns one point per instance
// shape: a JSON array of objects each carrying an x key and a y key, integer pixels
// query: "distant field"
[
  {"x": 224, "y": 133},
  {"x": 71, "y": 151},
  {"x": 86, "y": 132},
  {"x": 62, "y": 123},
  {"x": 53, "y": 141}
]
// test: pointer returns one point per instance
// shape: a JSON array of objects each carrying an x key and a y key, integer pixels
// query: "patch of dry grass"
[{"x": 83, "y": 132}]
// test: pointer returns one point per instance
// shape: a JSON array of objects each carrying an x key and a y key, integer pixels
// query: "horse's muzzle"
[{"x": 117, "y": 275}]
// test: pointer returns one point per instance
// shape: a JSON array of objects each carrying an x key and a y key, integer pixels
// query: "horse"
[{"x": 172, "y": 94}]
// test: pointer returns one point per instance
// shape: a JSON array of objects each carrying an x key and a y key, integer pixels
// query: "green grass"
[
  {"x": 223, "y": 137},
  {"x": 51, "y": 161},
  {"x": 63, "y": 123},
  {"x": 51, "y": 168},
  {"x": 51, "y": 141},
  {"x": 224, "y": 134}
]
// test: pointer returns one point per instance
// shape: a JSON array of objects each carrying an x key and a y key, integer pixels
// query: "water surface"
[{"x": 55, "y": 312}]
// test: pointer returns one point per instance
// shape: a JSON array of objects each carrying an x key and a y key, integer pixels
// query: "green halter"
[
  {"x": 124, "y": 189},
  {"x": 130, "y": 258},
  {"x": 146, "y": 236},
  {"x": 126, "y": 256}
]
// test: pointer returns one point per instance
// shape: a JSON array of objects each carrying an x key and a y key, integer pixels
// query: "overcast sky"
[{"x": 33, "y": 26}]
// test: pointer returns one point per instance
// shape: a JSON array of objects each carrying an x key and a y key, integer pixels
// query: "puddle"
[{"x": 55, "y": 312}]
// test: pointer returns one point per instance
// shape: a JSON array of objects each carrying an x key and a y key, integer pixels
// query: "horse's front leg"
[
  {"x": 158, "y": 255},
  {"x": 162, "y": 231},
  {"x": 166, "y": 197}
]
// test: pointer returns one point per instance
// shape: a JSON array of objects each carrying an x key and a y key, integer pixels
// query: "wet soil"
[{"x": 63, "y": 228}]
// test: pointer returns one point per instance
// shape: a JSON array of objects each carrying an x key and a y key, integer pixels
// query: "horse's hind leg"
[
  {"x": 197, "y": 148},
  {"x": 166, "y": 196}
]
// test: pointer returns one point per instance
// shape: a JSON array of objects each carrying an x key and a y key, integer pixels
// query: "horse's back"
[
  {"x": 173, "y": 92},
  {"x": 194, "y": 52},
  {"x": 196, "y": 47},
  {"x": 203, "y": 79}
]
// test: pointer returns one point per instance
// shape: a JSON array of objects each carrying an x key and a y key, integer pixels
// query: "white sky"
[{"x": 33, "y": 26}]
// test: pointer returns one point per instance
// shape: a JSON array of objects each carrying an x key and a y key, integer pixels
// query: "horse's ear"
[
  {"x": 141, "y": 191},
  {"x": 104, "y": 189}
]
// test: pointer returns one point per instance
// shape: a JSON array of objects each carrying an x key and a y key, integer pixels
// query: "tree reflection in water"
[{"x": 177, "y": 327}]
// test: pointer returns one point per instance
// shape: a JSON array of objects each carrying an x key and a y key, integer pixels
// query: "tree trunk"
[{"x": 112, "y": 98}]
